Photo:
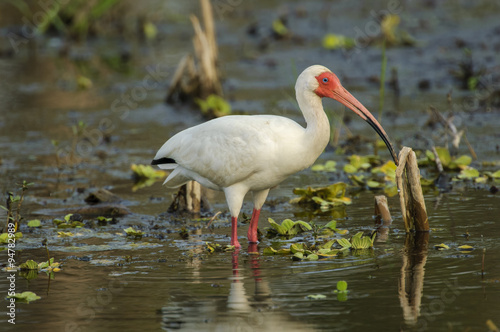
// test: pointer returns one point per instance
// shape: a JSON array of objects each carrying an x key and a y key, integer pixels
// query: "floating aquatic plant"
[
  {"x": 333, "y": 41},
  {"x": 34, "y": 223},
  {"x": 133, "y": 232},
  {"x": 329, "y": 166},
  {"x": 214, "y": 106},
  {"x": 302, "y": 251},
  {"x": 288, "y": 227},
  {"x": 216, "y": 247},
  {"x": 70, "y": 221},
  {"x": 324, "y": 197},
  {"x": 145, "y": 175},
  {"x": 25, "y": 297},
  {"x": 357, "y": 241}
]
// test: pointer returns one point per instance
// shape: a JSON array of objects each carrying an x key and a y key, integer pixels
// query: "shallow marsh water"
[{"x": 111, "y": 283}]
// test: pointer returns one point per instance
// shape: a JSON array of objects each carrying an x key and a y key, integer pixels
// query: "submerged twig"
[
  {"x": 471, "y": 149},
  {"x": 450, "y": 126},
  {"x": 213, "y": 218},
  {"x": 439, "y": 165}
]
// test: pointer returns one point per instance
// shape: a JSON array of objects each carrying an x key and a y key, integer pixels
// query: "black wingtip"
[{"x": 163, "y": 161}]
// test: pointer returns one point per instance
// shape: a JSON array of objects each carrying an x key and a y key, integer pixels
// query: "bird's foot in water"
[
  {"x": 235, "y": 243},
  {"x": 252, "y": 236}
]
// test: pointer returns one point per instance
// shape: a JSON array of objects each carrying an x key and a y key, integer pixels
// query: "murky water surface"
[{"x": 111, "y": 283}]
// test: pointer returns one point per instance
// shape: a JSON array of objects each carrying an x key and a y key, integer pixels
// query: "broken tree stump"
[
  {"x": 410, "y": 192},
  {"x": 187, "y": 199},
  {"x": 383, "y": 218},
  {"x": 198, "y": 76}
]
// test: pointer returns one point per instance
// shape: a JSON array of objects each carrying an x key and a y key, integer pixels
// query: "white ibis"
[{"x": 242, "y": 153}]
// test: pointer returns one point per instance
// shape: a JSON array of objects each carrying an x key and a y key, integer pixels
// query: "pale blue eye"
[{"x": 325, "y": 80}]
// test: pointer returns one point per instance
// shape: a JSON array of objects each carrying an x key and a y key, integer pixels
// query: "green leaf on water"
[
  {"x": 280, "y": 28},
  {"x": 468, "y": 173},
  {"x": 25, "y": 297},
  {"x": 374, "y": 184},
  {"x": 269, "y": 251},
  {"x": 444, "y": 156},
  {"x": 341, "y": 286},
  {"x": 463, "y": 160},
  {"x": 312, "y": 257},
  {"x": 132, "y": 232},
  {"x": 289, "y": 227},
  {"x": 298, "y": 256},
  {"x": 316, "y": 296},
  {"x": 29, "y": 265},
  {"x": 329, "y": 166},
  {"x": 214, "y": 105},
  {"x": 280, "y": 229},
  {"x": 348, "y": 168},
  {"x": 332, "y": 41},
  {"x": 297, "y": 247},
  {"x": 441, "y": 246},
  {"x": 34, "y": 223},
  {"x": 331, "y": 224},
  {"x": 344, "y": 243},
  {"x": 303, "y": 225},
  {"x": 4, "y": 237}
]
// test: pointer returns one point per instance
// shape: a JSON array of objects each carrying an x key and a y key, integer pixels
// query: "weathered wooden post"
[{"x": 410, "y": 192}]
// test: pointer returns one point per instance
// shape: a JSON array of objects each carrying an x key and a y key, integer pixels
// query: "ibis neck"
[{"x": 318, "y": 126}]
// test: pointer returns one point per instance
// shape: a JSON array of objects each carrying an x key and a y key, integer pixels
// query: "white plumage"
[{"x": 241, "y": 153}]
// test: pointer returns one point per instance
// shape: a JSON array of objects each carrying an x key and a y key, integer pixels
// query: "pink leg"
[
  {"x": 252, "y": 230},
  {"x": 235, "y": 263},
  {"x": 234, "y": 232}
]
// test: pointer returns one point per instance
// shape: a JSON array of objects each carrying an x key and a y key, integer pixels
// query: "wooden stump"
[
  {"x": 410, "y": 192},
  {"x": 188, "y": 199},
  {"x": 383, "y": 218},
  {"x": 200, "y": 78}
]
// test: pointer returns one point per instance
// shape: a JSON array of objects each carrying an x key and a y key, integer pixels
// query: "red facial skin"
[
  {"x": 326, "y": 89},
  {"x": 330, "y": 87}
]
